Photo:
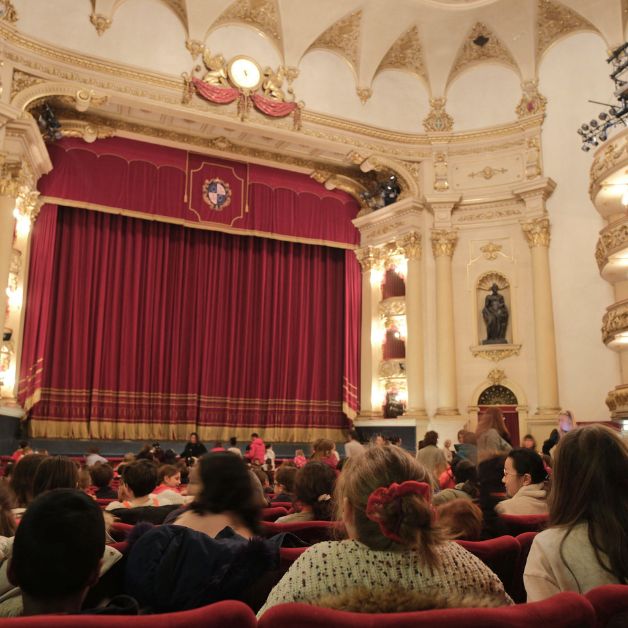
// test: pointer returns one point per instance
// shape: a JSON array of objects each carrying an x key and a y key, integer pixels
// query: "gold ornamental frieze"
[
  {"x": 495, "y": 353},
  {"x": 613, "y": 240},
  {"x": 392, "y": 369},
  {"x": 392, "y": 307},
  {"x": 615, "y": 322},
  {"x": 608, "y": 160},
  {"x": 617, "y": 402}
]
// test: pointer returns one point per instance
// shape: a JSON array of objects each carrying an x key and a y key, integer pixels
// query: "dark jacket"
[{"x": 194, "y": 450}]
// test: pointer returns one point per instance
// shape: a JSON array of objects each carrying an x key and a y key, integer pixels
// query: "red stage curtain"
[
  {"x": 353, "y": 303},
  {"x": 153, "y": 330}
]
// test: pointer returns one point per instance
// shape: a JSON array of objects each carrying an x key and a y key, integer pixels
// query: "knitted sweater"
[
  {"x": 332, "y": 567},
  {"x": 528, "y": 500}
]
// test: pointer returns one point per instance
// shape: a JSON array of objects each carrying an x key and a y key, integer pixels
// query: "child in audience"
[
  {"x": 59, "y": 552},
  {"x": 524, "y": 479},
  {"x": 284, "y": 483},
  {"x": 529, "y": 442},
  {"x": 21, "y": 483},
  {"x": 383, "y": 498},
  {"x": 84, "y": 479},
  {"x": 313, "y": 490},
  {"x": 23, "y": 450},
  {"x": 586, "y": 544},
  {"x": 233, "y": 447},
  {"x": 299, "y": 458},
  {"x": 225, "y": 497},
  {"x": 7, "y": 519},
  {"x": 102, "y": 475},
  {"x": 55, "y": 472},
  {"x": 270, "y": 455},
  {"x": 460, "y": 519},
  {"x": 323, "y": 449},
  {"x": 465, "y": 487},
  {"x": 139, "y": 480},
  {"x": 169, "y": 483}
]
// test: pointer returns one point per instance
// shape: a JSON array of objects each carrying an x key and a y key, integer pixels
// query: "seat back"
[
  {"x": 229, "y": 613},
  {"x": 610, "y": 602},
  {"x": 286, "y": 505},
  {"x": 271, "y": 514},
  {"x": 308, "y": 531},
  {"x": 499, "y": 554},
  {"x": 518, "y": 524},
  {"x": 565, "y": 610},
  {"x": 518, "y": 593},
  {"x": 120, "y": 531}
]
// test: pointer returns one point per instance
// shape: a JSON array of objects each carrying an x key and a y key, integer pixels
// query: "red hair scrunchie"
[{"x": 384, "y": 495}]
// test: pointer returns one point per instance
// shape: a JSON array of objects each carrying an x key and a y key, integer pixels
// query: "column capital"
[
  {"x": 534, "y": 194},
  {"x": 444, "y": 242},
  {"x": 15, "y": 174},
  {"x": 537, "y": 232},
  {"x": 369, "y": 258},
  {"x": 410, "y": 244}
]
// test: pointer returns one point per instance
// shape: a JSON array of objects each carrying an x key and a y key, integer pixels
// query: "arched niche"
[
  {"x": 483, "y": 287},
  {"x": 497, "y": 395},
  {"x": 483, "y": 95},
  {"x": 231, "y": 40}
]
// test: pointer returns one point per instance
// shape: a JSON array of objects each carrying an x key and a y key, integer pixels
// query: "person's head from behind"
[
  {"x": 322, "y": 448},
  {"x": 140, "y": 478},
  {"x": 300, "y": 453},
  {"x": 352, "y": 435},
  {"x": 314, "y": 488},
  {"x": 493, "y": 419},
  {"x": 84, "y": 478},
  {"x": 254, "y": 435},
  {"x": 284, "y": 479},
  {"x": 57, "y": 551},
  {"x": 522, "y": 468},
  {"x": 55, "y": 472},
  {"x": 378, "y": 440},
  {"x": 233, "y": 441},
  {"x": 566, "y": 421},
  {"x": 169, "y": 476},
  {"x": 469, "y": 438},
  {"x": 101, "y": 475},
  {"x": 21, "y": 482},
  {"x": 459, "y": 435},
  {"x": 7, "y": 520},
  {"x": 465, "y": 471},
  {"x": 262, "y": 476},
  {"x": 431, "y": 438},
  {"x": 23, "y": 444},
  {"x": 590, "y": 485},
  {"x": 383, "y": 497},
  {"x": 529, "y": 442},
  {"x": 460, "y": 519},
  {"x": 447, "y": 444},
  {"x": 225, "y": 486}
]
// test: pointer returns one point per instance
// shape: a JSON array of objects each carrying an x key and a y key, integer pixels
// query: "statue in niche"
[{"x": 495, "y": 315}]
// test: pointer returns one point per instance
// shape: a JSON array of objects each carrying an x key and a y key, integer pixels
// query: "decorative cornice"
[
  {"x": 609, "y": 159},
  {"x": 438, "y": 120},
  {"x": 23, "y": 80},
  {"x": 444, "y": 242},
  {"x": 410, "y": 245},
  {"x": 615, "y": 321},
  {"x": 537, "y": 232},
  {"x": 532, "y": 101},
  {"x": 405, "y": 54},
  {"x": 617, "y": 402},
  {"x": 495, "y": 353},
  {"x": 612, "y": 240},
  {"x": 260, "y": 14},
  {"x": 392, "y": 307},
  {"x": 555, "y": 20},
  {"x": 343, "y": 37}
]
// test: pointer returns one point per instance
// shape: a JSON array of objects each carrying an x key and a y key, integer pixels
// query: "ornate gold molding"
[
  {"x": 86, "y": 131},
  {"x": 369, "y": 258},
  {"x": 364, "y": 93},
  {"x": 15, "y": 176},
  {"x": 555, "y": 20},
  {"x": 613, "y": 239},
  {"x": 614, "y": 156},
  {"x": 496, "y": 376},
  {"x": 493, "y": 277},
  {"x": 410, "y": 245},
  {"x": 101, "y": 22},
  {"x": 195, "y": 47},
  {"x": 438, "y": 120},
  {"x": 615, "y": 321},
  {"x": 441, "y": 170},
  {"x": 486, "y": 214},
  {"x": 8, "y": 12},
  {"x": 444, "y": 242},
  {"x": 491, "y": 250},
  {"x": 537, "y": 232},
  {"x": 343, "y": 37},
  {"x": 532, "y": 101},
  {"x": 488, "y": 172},
  {"x": 405, "y": 54},
  {"x": 261, "y": 14},
  {"x": 391, "y": 308},
  {"x": 392, "y": 369},
  {"x": 495, "y": 353},
  {"x": 23, "y": 80},
  {"x": 617, "y": 402}
]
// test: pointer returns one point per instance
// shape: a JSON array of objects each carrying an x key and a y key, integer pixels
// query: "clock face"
[{"x": 245, "y": 73}]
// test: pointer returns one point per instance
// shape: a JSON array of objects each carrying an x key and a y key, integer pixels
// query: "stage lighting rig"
[
  {"x": 596, "y": 131},
  {"x": 48, "y": 124}
]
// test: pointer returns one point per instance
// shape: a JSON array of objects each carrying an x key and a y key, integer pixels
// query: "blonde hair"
[
  {"x": 382, "y": 466},
  {"x": 492, "y": 419},
  {"x": 460, "y": 519},
  {"x": 322, "y": 448}
]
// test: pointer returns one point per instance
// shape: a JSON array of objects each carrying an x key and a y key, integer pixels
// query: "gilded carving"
[
  {"x": 532, "y": 101},
  {"x": 262, "y": 14},
  {"x": 22, "y": 80},
  {"x": 15, "y": 177},
  {"x": 101, "y": 22},
  {"x": 615, "y": 321},
  {"x": 441, "y": 182},
  {"x": 438, "y": 120},
  {"x": 617, "y": 402},
  {"x": 487, "y": 215},
  {"x": 533, "y": 158},
  {"x": 343, "y": 37},
  {"x": 364, "y": 93},
  {"x": 86, "y": 131},
  {"x": 272, "y": 85},
  {"x": 216, "y": 66},
  {"x": 495, "y": 353},
  {"x": 615, "y": 151},
  {"x": 481, "y": 44},
  {"x": 392, "y": 369},
  {"x": 537, "y": 232},
  {"x": 496, "y": 376},
  {"x": 405, "y": 54},
  {"x": 410, "y": 245},
  {"x": 8, "y": 12},
  {"x": 369, "y": 258},
  {"x": 444, "y": 242},
  {"x": 194, "y": 47},
  {"x": 384, "y": 229},
  {"x": 613, "y": 239},
  {"x": 394, "y": 306},
  {"x": 491, "y": 250},
  {"x": 554, "y": 20},
  {"x": 486, "y": 281},
  {"x": 488, "y": 172}
]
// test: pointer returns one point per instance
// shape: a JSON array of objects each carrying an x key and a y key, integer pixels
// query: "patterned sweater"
[{"x": 332, "y": 567}]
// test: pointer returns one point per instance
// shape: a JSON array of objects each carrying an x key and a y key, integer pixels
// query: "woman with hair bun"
[{"x": 383, "y": 498}]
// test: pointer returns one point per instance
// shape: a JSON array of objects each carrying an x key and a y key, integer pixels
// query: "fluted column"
[
  {"x": 370, "y": 347},
  {"x": 537, "y": 233},
  {"x": 443, "y": 245},
  {"x": 410, "y": 244}
]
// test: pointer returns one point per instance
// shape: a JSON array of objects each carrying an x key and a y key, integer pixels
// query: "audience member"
[
  {"x": 566, "y": 423},
  {"x": 270, "y": 455},
  {"x": 193, "y": 448},
  {"x": 492, "y": 434},
  {"x": 460, "y": 519},
  {"x": 299, "y": 458},
  {"x": 492, "y": 491},
  {"x": 466, "y": 487},
  {"x": 378, "y": 440},
  {"x": 233, "y": 447},
  {"x": 22, "y": 451},
  {"x": 55, "y": 472},
  {"x": 323, "y": 452},
  {"x": 431, "y": 457},
  {"x": 313, "y": 490},
  {"x": 586, "y": 544},
  {"x": 169, "y": 478},
  {"x": 467, "y": 449},
  {"x": 524, "y": 479},
  {"x": 139, "y": 480},
  {"x": 102, "y": 475},
  {"x": 59, "y": 552},
  {"x": 7, "y": 518},
  {"x": 225, "y": 498},
  {"x": 93, "y": 456},
  {"x": 447, "y": 451},
  {"x": 21, "y": 483},
  {"x": 84, "y": 479},
  {"x": 217, "y": 447},
  {"x": 353, "y": 447},
  {"x": 284, "y": 483},
  {"x": 383, "y": 498},
  {"x": 257, "y": 450},
  {"x": 529, "y": 442},
  {"x": 263, "y": 478}
]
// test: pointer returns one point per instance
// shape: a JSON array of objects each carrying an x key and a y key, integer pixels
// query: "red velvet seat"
[
  {"x": 120, "y": 531},
  {"x": 499, "y": 554},
  {"x": 103, "y": 503},
  {"x": 309, "y": 531},
  {"x": 229, "y": 613},
  {"x": 286, "y": 505},
  {"x": 287, "y": 555},
  {"x": 611, "y": 605},
  {"x": 270, "y": 514},
  {"x": 525, "y": 543},
  {"x": 518, "y": 524},
  {"x": 565, "y": 610}
]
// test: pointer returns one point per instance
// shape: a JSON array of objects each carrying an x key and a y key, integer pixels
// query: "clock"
[{"x": 244, "y": 73}]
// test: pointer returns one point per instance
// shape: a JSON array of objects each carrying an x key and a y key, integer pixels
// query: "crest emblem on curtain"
[{"x": 217, "y": 194}]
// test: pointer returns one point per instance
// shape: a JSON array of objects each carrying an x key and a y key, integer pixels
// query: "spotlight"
[
  {"x": 603, "y": 116},
  {"x": 585, "y": 127},
  {"x": 603, "y": 137},
  {"x": 586, "y": 148},
  {"x": 593, "y": 123}
]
